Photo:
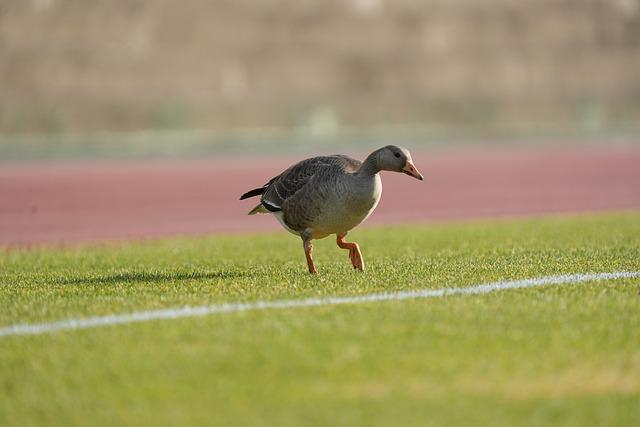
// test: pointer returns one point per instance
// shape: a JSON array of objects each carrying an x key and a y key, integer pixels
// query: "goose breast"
[{"x": 335, "y": 203}]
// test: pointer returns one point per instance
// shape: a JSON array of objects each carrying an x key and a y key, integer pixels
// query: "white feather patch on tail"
[{"x": 260, "y": 209}]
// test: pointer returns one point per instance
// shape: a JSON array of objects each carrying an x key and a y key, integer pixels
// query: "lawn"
[{"x": 566, "y": 355}]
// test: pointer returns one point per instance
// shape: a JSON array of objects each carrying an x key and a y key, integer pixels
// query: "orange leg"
[
  {"x": 354, "y": 252},
  {"x": 308, "y": 252}
]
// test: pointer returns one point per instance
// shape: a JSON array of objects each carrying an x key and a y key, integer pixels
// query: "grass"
[{"x": 555, "y": 355}]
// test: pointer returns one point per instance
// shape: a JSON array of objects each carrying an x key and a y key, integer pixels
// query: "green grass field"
[{"x": 556, "y": 355}]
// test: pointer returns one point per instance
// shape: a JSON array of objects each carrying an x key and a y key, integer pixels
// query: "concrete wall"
[{"x": 120, "y": 65}]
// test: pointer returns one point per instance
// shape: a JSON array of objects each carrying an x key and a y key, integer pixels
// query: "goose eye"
[{"x": 397, "y": 155}]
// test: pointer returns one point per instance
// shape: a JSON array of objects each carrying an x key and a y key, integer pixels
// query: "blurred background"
[
  {"x": 183, "y": 77},
  {"x": 111, "y": 80}
]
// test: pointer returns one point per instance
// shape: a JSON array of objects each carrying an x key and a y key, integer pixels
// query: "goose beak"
[{"x": 411, "y": 170}]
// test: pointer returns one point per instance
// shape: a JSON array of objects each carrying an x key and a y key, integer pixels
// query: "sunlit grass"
[{"x": 553, "y": 355}]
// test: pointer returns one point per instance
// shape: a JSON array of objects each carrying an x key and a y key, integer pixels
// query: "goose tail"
[
  {"x": 253, "y": 193},
  {"x": 260, "y": 209}
]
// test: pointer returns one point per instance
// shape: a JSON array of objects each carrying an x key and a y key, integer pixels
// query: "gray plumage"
[
  {"x": 323, "y": 195},
  {"x": 329, "y": 194},
  {"x": 296, "y": 178}
]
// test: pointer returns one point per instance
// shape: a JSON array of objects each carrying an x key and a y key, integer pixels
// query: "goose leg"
[
  {"x": 308, "y": 252},
  {"x": 354, "y": 251}
]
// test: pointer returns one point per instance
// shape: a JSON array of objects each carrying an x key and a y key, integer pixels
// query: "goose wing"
[{"x": 298, "y": 176}]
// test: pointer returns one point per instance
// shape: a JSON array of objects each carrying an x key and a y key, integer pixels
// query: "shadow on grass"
[{"x": 146, "y": 276}]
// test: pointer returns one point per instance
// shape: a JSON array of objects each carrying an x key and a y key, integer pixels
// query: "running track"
[{"x": 89, "y": 201}]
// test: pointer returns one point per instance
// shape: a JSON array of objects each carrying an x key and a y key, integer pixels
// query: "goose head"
[{"x": 397, "y": 159}]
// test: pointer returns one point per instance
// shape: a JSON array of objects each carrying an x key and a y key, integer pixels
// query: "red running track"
[{"x": 58, "y": 203}]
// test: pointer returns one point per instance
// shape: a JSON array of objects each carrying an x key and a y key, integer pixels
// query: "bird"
[{"x": 327, "y": 195}]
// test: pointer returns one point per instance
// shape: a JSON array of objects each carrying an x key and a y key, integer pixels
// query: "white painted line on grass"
[{"x": 204, "y": 310}]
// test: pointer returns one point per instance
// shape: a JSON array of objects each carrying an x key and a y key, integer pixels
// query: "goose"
[{"x": 327, "y": 195}]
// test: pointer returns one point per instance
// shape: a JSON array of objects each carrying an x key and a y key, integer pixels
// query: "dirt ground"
[{"x": 92, "y": 201}]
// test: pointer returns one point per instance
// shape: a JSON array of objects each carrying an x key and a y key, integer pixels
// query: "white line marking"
[{"x": 204, "y": 310}]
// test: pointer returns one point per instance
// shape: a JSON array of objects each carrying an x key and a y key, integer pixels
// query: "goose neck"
[{"x": 370, "y": 165}]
